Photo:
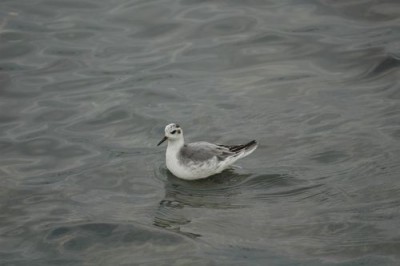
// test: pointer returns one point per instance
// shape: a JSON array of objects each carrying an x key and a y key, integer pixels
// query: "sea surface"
[{"x": 87, "y": 87}]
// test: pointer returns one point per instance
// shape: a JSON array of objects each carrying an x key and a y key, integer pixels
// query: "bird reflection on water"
[
  {"x": 216, "y": 192},
  {"x": 224, "y": 192}
]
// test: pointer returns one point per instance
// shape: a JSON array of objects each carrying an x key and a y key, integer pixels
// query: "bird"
[{"x": 200, "y": 160}]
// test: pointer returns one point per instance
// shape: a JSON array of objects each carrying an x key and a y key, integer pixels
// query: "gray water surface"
[{"x": 86, "y": 88}]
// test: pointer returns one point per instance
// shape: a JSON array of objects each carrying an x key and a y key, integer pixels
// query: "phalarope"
[{"x": 200, "y": 159}]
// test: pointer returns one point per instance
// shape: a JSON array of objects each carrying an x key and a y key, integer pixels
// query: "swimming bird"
[{"x": 200, "y": 159}]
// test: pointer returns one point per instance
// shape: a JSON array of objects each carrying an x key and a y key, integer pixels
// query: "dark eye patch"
[{"x": 173, "y": 132}]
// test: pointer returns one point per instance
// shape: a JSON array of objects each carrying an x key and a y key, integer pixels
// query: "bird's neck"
[{"x": 176, "y": 145}]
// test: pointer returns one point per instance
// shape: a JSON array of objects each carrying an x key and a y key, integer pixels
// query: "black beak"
[{"x": 164, "y": 139}]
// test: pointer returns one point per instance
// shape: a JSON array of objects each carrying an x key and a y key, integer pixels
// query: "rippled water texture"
[{"x": 86, "y": 88}]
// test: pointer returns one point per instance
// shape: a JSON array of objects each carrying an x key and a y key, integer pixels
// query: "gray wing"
[{"x": 203, "y": 151}]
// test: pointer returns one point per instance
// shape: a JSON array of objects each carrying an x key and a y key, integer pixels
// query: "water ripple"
[{"x": 87, "y": 86}]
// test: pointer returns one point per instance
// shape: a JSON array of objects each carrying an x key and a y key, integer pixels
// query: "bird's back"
[
  {"x": 203, "y": 151},
  {"x": 205, "y": 159}
]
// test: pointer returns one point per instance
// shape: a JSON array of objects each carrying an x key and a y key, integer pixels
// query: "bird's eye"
[{"x": 173, "y": 132}]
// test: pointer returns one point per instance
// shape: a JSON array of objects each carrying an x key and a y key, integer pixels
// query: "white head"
[{"x": 173, "y": 132}]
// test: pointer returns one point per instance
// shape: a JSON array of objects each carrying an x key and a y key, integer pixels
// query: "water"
[{"x": 88, "y": 86}]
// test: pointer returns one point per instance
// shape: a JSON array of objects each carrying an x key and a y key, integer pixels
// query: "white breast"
[
  {"x": 174, "y": 166},
  {"x": 191, "y": 171}
]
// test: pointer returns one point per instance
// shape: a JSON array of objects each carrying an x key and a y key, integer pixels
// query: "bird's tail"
[
  {"x": 246, "y": 149},
  {"x": 239, "y": 151},
  {"x": 242, "y": 150}
]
